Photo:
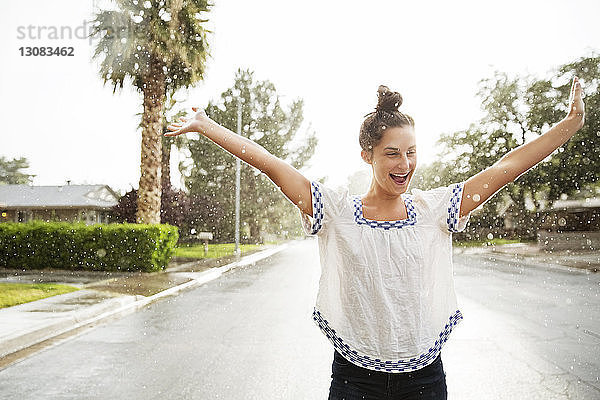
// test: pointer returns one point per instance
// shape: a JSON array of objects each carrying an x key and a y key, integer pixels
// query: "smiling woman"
[{"x": 386, "y": 298}]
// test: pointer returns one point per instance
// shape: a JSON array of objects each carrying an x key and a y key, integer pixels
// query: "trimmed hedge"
[{"x": 63, "y": 245}]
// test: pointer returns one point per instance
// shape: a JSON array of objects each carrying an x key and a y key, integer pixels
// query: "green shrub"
[{"x": 113, "y": 247}]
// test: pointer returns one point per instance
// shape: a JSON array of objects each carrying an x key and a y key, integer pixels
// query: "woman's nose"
[{"x": 403, "y": 163}]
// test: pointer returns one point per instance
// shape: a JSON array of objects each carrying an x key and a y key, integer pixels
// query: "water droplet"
[
  {"x": 485, "y": 185},
  {"x": 437, "y": 178},
  {"x": 562, "y": 222},
  {"x": 490, "y": 236},
  {"x": 476, "y": 197}
]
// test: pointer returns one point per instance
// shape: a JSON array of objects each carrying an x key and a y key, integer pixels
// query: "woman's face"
[{"x": 394, "y": 159}]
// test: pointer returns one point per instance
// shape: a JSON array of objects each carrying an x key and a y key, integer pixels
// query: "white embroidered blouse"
[{"x": 386, "y": 297}]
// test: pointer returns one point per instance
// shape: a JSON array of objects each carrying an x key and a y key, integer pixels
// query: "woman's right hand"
[{"x": 194, "y": 124}]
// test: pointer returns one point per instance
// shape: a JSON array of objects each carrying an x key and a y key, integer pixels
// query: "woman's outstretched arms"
[
  {"x": 292, "y": 183},
  {"x": 482, "y": 186}
]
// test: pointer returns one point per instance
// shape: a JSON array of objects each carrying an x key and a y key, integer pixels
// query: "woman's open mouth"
[{"x": 400, "y": 179}]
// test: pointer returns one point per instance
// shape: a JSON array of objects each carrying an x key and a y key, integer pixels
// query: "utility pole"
[{"x": 238, "y": 167}]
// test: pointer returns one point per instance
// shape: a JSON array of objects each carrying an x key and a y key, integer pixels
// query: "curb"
[
  {"x": 120, "y": 306},
  {"x": 46, "y": 331},
  {"x": 526, "y": 262}
]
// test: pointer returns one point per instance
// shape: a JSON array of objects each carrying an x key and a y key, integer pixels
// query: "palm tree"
[{"x": 161, "y": 46}]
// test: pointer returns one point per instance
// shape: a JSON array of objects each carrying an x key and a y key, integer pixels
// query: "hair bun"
[{"x": 387, "y": 100}]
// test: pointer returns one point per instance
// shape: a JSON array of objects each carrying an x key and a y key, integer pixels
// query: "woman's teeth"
[{"x": 399, "y": 179}]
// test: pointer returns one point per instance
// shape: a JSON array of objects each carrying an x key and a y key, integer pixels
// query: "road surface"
[{"x": 527, "y": 334}]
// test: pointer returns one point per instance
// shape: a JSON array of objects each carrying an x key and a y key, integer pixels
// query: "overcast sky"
[{"x": 332, "y": 54}]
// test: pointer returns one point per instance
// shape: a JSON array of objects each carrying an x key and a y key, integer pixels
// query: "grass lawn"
[
  {"x": 12, "y": 294},
  {"x": 214, "y": 250},
  {"x": 486, "y": 242}
]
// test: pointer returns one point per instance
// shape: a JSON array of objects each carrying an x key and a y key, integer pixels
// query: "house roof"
[
  {"x": 590, "y": 202},
  {"x": 573, "y": 205},
  {"x": 68, "y": 196}
]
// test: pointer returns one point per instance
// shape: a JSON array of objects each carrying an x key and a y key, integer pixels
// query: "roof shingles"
[{"x": 26, "y": 196}]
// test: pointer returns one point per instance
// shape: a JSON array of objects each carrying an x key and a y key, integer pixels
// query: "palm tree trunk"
[
  {"x": 165, "y": 169},
  {"x": 150, "y": 184}
]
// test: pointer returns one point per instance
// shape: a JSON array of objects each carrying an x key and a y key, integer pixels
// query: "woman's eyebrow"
[{"x": 397, "y": 149}]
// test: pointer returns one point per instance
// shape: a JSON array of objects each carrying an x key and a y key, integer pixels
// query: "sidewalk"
[
  {"x": 104, "y": 295},
  {"x": 532, "y": 256}
]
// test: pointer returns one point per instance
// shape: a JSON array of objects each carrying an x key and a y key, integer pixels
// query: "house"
[
  {"x": 70, "y": 203},
  {"x": 572, "y": 215},
  {"x": 572, "y": 224},
  {"x": 566, "y": 223}
]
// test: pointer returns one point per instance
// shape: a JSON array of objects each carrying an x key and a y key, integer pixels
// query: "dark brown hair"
[{"x": 386, "y": 115}]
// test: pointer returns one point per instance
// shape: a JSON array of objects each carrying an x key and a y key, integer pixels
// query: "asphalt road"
[
  {"x": 527, "y": 334},
  {"x": 540, "y": 327}
]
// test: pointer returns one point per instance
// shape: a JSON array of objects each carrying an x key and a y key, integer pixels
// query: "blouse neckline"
[{"x": 400, "y": 223}]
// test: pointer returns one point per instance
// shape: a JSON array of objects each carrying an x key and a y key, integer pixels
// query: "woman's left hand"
[
  {"x": 194, "y": 124},
  {"x": 576, "y": 106}
]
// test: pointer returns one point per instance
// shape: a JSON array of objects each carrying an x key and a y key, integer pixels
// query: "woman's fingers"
[
  {"x": 576, "y": 105},
  {"x": 578, "y": 89},
  {"x": 176, "y": 131},
  {"x": 173, "y": 131},
  {"x": 178, "y": 128},
  {"x": 572, "y": 92}
]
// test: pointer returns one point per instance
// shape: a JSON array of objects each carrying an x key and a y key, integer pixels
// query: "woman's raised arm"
[
  {"x": 482, "y": 186},
  {"x": 291, "y": 182}
]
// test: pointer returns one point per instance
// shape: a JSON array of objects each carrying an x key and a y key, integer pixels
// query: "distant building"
[
  {"x": 572, "y": 215},
  {"x": 69, "y": 203},
  {"x": 572, "y": 224},
  {"x": 579, "y": 214}
]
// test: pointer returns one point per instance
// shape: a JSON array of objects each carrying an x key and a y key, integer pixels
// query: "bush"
[{"x": 113, "y": 247}]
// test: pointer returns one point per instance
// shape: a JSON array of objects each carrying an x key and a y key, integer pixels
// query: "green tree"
[
  {"x": 160, "y": 46},
  {"x": 517, "y": 109},
  {"x": 10, "y": 171},
  {"x": 264, "y": 208},
  {"x": 575, "y": 165}
]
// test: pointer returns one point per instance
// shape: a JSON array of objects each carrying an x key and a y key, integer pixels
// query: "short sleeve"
[
  {"x": 326, "y": 205},
  {"x": 443, "y": 205}
]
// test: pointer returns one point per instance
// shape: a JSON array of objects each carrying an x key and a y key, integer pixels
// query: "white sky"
[{"x": 333, "y": 54}]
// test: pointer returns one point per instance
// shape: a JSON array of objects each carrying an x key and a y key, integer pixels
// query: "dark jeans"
[{"x": 351, "y": 382}]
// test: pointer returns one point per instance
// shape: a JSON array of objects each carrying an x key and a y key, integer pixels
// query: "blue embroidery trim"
[
  {"x": 317, "y": 204},
  {"x": 376, "y": 364},
  {"x": 454, "y": 208},
  {"x": 387, "y": 225}
]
